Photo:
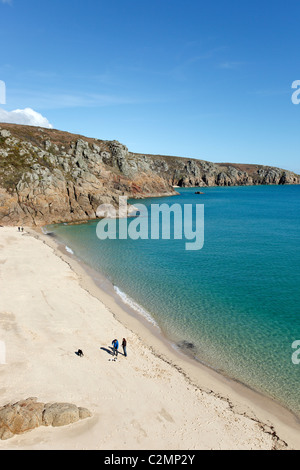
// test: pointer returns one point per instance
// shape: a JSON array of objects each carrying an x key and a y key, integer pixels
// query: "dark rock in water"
[{"x": 186, "y": 345}]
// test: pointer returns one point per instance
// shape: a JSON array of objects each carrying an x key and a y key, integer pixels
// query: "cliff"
[{"x": 51, "y": 176}]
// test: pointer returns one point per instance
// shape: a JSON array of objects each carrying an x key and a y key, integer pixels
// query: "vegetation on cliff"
[{"x": 51, "y": 176}]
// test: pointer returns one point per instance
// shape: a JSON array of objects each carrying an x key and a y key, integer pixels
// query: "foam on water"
[
  {"x": 46, "y": 231},
  {"x": 135, "y": 306}
]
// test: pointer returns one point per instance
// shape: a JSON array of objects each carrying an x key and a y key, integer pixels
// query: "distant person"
[
  {"x": 115, "y": 344},
  {"x": 124, "y": 344},
  {"x": 79, "y": 353},
  {"x": 22, "y": 229},
  {"x": 19, "y": 229}
]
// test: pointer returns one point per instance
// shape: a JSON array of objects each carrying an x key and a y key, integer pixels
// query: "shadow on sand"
[{"x": 109, "y": 351}]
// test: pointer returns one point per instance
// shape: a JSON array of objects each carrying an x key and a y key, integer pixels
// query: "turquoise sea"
[{"x": 233, "y": 305}]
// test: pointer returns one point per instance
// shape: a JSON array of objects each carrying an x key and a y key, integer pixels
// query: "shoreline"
[
  {"x": 159, "y": 395},
  {"x": 112, "y": 298},
  {"x": 240, "y": 397}
]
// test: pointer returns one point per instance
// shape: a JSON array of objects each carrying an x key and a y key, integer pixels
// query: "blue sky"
[{"x": 209, "y": 80}]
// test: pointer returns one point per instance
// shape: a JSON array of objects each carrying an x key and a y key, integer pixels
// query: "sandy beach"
[{"x": 155, "y": 398}]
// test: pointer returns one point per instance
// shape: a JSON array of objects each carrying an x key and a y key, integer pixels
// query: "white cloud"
[{"x": 25, "y": 116}]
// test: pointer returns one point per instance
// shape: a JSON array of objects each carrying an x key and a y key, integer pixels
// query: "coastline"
[
  {"x": 239, "y": 396},
  {"x": 219, "y": 400}
]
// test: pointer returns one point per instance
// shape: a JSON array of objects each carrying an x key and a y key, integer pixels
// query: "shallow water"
[{"x": 234, "y": 304}]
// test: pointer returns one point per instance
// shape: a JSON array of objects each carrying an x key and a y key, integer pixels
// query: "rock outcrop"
[
  {"x": 49, "y": 176},
  {"x": 29, "y": 414}
]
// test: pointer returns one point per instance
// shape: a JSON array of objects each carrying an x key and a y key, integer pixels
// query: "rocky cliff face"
[{"x": 51, "y": 176}]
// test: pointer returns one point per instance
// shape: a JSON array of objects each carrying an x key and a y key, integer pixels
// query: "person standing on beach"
[
  {"x": 115, "y": 344},
  {"x": 124, "y": 344}
]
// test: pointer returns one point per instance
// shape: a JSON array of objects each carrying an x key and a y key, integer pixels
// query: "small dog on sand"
[{"x": 80, "y": 353}]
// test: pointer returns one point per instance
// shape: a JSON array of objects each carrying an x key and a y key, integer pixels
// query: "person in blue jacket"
[{"x": 115, "y": 344}]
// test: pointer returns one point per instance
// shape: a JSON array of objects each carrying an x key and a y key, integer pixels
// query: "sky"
[{"x": 208, "y": 80}]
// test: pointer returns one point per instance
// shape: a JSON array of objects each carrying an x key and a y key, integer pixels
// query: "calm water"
[{"x": 235, "y": 302}]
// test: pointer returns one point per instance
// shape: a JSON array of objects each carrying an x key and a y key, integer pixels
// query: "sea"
[{"x": 234, "y": 304}]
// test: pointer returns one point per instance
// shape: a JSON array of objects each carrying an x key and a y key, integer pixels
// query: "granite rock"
[
  {"x": 49, "y": 176},
  {"x": 26, "y": 415}
]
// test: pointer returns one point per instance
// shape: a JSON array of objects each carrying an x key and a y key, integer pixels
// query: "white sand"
[{"x": 153, "y": 399}]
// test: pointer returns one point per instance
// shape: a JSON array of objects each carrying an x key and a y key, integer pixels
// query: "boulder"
[
  {"x": 20, "y": 417},
  {"x": 26, "y": 415},
  {"x": 4, "y": 133},
  {"x": 60, "y": 414}
]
